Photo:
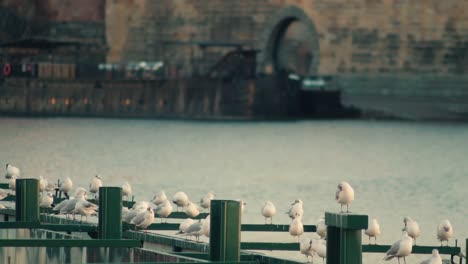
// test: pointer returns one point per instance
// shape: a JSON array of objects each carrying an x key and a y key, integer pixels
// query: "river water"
[{"x": 396, "y": 168}]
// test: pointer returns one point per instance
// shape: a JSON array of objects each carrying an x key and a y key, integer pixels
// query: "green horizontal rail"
[
  {"x": 53, "y": 227},
  {"x": 269, "y": 246},
  {"x": 4, "y": 186},
  {"x": 416, "y": 249},
  {"x": 163, "y": 226},
  {"x": 273, "y": 228},
  {"x": 115, "y": 243},
  {"x": 167, "y": 240}
]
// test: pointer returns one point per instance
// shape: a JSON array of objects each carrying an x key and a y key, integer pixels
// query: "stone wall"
[{"x": 358, "y": 36}]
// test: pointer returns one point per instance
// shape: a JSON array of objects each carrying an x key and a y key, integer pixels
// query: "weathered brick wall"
[{"x": 356, "y": 36}]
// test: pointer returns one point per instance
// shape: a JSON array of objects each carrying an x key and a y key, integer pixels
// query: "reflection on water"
[{"x": 397, "y": 168}]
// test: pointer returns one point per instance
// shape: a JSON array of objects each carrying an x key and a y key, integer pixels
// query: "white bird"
[
  {"x": 69, "y": 207},
  {"x": 205, "y": 202},
  {"x": 195, "y": 229},
  {"x": 142, "y": 205},
  {"x": 11, "y": 170},
  {"x": 296, "y": 228},
  {"x": 320, "y": 247},
  {"x": 191, "y": 210},
  {"x": 12, "y": 183},
  {"x": 126, "y": 190},
  {"x": 444, "y": 231},
  {"x": 206, "y": 226},
  {"x": 46, "y": 201},
  {"x": 164, "y": 209},
  {"x": 3, "y": 194},
  {"x": 66, "y": 186},
  {"x": 42, "y": 184},
  {"x": 434, "y": 259},
  {"x": 305, "y": 247},
  {"x": 144, "y": 219},
  {"x": 159, "y": 198},
  {"x": 184, "y": 225},
  {"x": 412, "y": 227},
  {"x": 344, "y": 195},
  {"x": 84, "y": 208},
  {"x": 296, "y": 209},
  {"x": 268, "y": 211},
  {"x": 95, "y": 184},
  {"x": 180, "y": 199},
  {"x": 128, "y": 216},
  {"x": 373, "y": 230},
  {"x": 401, "y": 248},
  {"x": 321, "y": 228}
]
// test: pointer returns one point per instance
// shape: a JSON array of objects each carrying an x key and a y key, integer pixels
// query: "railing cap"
[{"x": 346, "y": 220}]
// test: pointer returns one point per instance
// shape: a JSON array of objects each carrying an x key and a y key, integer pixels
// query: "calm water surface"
[{"x": 397, "y": 168}]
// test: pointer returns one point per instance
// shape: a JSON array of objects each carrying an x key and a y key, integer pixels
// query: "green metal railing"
[{"x": 344, "y": 245}]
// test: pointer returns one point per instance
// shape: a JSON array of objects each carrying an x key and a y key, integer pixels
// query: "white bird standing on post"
[
  {"x": 191, "y": 210},
  {"x": 84, "y": 208},
  {"x": 205, "y": 202},
  {"x": 401, "y": 248},
  {"x": 126, "y": 190},
  {"x": 66, "y": 187},
  {"x": 95, "y": 184},
  {"x": 344, "y": 195},
  {"x": 321, "y": 228},
  {"x": 412, "y": 227},
  {"x": 11, "y": 170},
  {"x": 144, "y": 219},
  {"x": 373, "y": 230},
  {"x": 268, "y": 211},
  {"x": 320, "y": 247},
  {"x": 444, "y": 231},
  {"x": 434, "y": 259},
  {"x": 296, "y": 209}
]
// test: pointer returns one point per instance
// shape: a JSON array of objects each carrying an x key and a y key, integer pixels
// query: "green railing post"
[
  {"x": 225, "y": 230},
  {"x": 344, "y": 235},
  {"x": 110, "y": 213},
  {"x": 27, "y": 200}
]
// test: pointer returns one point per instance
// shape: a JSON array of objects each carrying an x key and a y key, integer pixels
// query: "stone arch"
[{"x": 270, "y": 41}]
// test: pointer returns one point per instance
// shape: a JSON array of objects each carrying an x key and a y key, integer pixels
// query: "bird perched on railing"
[
  {"x": 180, "y": 199},
  {"x": 206, "y": 226},
  {"x": 128, "y": 216},
  {"x": 305, "y": 247},
  {"x": 95, "y": 184},
  {"x": 444, "y": 231},
  {"x": 126, "y": 190},
  {"x": 344, "y": 195},
  {"x": 295, "y": 209},
  {"x": 11, "y": 170},
  {"x": 42, "y": 184},
  {"x": 66, "y": 187},
  {"x": 12, "y": 183},
  {"x": 191, "y": 210},
  {"x": 46, "y": 201},
  {"x": 143, "y": 219},
  {"x": 412, "y": 227},
  {"x": 159, "y": 198},
  {"x": 164, "y": 209},
  {"x": 434, "y": 259},
  {"x": 84, "y": 208},
  {"x": 268, "y": 211},
  {"x": 320, "y": 247},
  {"x": 373, "y": 230},
  {"x": 321, "y": 228},
  {"x": 401, "y": 248},
  {"x": 68, "y": 206},
  {"x": 195, "y": 229},
  {"x": 184, "y": 225},
  {"x": 205, "y": 202},
  {"x": 296, "y": 228}
]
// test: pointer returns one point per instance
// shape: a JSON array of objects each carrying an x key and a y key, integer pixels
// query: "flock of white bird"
[{"x": 142, "y": 214}]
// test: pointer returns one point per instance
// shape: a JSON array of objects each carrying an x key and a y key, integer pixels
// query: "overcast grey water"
[{"x": 396, "y": 168}]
